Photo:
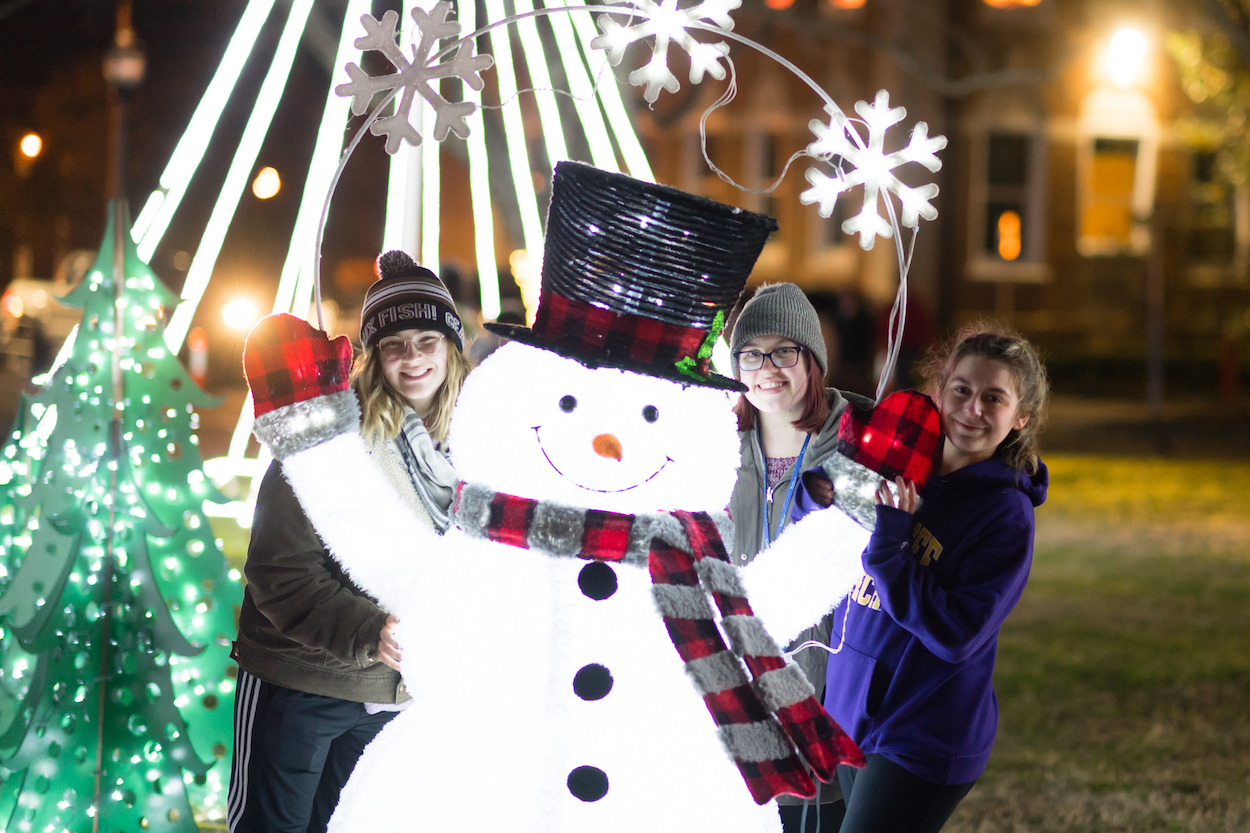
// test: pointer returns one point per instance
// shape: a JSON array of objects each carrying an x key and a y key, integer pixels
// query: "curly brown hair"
[{"x": 1007, "y": 347}]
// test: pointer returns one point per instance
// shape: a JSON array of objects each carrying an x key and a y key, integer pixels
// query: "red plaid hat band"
[{"x": 595, "y": 332}]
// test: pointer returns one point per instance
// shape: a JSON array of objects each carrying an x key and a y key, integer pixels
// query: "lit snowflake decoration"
[
  {"x": 415, "y": 76},
  {"x": 667, "y": 24},
  {"x": 872, "y": 168}
]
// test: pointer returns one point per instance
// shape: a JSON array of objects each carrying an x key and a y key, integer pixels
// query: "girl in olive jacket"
[{"x": 318, "y": 659}]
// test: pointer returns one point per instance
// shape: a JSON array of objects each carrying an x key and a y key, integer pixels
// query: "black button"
[
  {"x": 589, "y": 783},
  {"x": 597, "y": 580},
  {"x": 592, "y": 682}
]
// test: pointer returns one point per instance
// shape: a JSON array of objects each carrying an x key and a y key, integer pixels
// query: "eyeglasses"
[
  {"x": 781, "y": 357},
  {"x": 426, "y": 344}
]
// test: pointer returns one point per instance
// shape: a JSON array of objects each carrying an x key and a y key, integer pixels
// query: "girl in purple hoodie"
[{"x": 912, "y": 655}]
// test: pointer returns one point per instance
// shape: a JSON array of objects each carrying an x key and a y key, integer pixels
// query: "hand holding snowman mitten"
[{"x": 898, "y": 440}]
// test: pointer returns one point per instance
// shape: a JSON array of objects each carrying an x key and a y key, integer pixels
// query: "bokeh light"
[
  {"x": 1126, "y": 57},
  {"x": 31, "y": 145},
  {"x": 1009, "y": 235},
  {"x": 266, "y": 184},
  {"x": 239, "y": 314}
]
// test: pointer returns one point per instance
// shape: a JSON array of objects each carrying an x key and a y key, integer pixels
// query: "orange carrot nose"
[{"x": 606, "y": 445}]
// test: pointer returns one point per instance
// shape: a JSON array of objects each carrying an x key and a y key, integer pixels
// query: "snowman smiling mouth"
[{"x": 538, "y": 438}]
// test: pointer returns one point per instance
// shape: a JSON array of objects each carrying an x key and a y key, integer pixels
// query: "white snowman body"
[{"x": 494, "y": 635}]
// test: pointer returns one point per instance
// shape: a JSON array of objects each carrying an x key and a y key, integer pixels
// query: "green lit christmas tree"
[{"x": 116, "y": 604}]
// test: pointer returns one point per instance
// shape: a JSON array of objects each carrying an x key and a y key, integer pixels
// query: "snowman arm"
[
  {"x": 295, "y": 585},
  {"x": 806, "y": 572},
  {"x": 363, "y": 522}
]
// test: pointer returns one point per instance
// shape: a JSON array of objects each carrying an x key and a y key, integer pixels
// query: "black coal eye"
[
  {"x": 568, "y": 403},
  {"x": 650, "y": 413}
]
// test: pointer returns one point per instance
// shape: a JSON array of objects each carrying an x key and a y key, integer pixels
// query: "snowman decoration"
[{"x": 581, "y": 653}]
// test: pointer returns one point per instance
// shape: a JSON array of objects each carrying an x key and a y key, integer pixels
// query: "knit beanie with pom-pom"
[{"x": 407, "y": 297}]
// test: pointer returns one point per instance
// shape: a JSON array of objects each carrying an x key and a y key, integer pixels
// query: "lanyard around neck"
[{"x": 794, "y": 480}]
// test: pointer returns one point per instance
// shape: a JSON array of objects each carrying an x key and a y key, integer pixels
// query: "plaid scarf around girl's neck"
[{"x": 771, "y": 724}]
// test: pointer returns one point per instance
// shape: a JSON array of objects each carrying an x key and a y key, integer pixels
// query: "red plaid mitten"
[
  {"x": 900, "y": 437},
  {"x": 287, "y": 360}
]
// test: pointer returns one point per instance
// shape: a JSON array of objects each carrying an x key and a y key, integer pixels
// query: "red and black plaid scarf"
[{"x": 771, "y": 724}]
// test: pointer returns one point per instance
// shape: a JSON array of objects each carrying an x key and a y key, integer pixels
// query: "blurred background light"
[
  {"x": 11, "y": 303},
  {"x": 1009, "y": 235},
  {"x": 1126, "y": 57},
  {"x": 266, "y": 184},
  {"x": 31, "y": 145},
  {"x": 239, "y": 314}
]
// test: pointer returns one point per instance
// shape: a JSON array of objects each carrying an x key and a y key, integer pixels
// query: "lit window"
[
  {"x": 1007, "y": 178},
  {"x": 1117, "y": 150},
  {"x": 1108, "y": 213},
  {"x": 1008, "y": 207}
]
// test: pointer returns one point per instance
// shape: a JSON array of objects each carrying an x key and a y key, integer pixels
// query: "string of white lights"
[
  {"x": 401, "y": 228},
  {"x": 613, "y": 105},
  {"x": 582, "y": 91},
  {"x": 514, "y": 132},
  {"x": 431, "y": 190},
  {"x": 153, "y": 221},
  {"x": 479, "y": 193},
  {"x": 295, "y": 287},
  {"x": 236, "y": 177},
  {"x": 536, "y": 62}
]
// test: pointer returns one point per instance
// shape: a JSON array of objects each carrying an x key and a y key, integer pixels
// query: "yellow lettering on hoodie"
[{"x": 922, "y": 541}]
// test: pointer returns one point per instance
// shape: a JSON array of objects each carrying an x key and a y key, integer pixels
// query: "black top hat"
[{"x": 639, "y": 276}]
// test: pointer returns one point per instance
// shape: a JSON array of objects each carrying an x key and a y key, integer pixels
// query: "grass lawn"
[{"x": 1123, "y": 675}]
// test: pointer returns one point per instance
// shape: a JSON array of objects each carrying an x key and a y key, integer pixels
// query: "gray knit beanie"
[{"x": 780, "y": 309}]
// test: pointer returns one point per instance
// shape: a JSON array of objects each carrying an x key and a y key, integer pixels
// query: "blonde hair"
[
  {"x": 992, "y": 341},
  {"x": 382, "y": 407}
]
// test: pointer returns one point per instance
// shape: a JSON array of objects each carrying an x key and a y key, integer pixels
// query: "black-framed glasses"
[
  {"x": 782, "y": 357},
  {"x": 394, "y": 347}
]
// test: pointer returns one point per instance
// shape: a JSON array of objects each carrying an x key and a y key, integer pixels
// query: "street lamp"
[
  {"x": 124, "y": 66},
  {"x": 1126, "y": 57},
  {"x": 1127, "y": 130}
]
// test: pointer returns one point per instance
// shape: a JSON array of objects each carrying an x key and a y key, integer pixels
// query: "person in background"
[
  {"x": 318, "y": 659},
  {"x": 787, "y": 422},
  {"x": 910, "y": 672}
]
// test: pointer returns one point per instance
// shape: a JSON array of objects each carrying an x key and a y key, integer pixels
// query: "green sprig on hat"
[{"x": 698, "y": 368}]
